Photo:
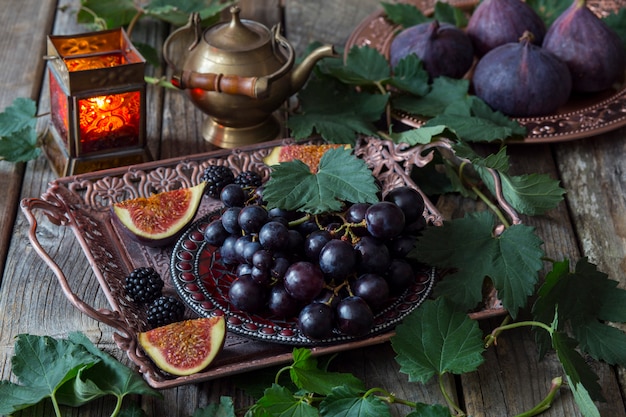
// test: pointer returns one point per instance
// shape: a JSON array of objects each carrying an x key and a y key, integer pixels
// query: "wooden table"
[{"x": 590, "y": 222}]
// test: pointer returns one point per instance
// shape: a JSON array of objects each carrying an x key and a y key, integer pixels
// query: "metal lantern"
[{"x": 97, "y": 102}]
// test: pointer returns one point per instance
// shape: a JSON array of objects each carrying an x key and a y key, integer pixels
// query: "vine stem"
[
  {"x": 55, "y": 405},
  {"x": 449, "y": 400},
  {"x": 389, "y": 397},
  {"x": 491, "y": 338},
  {"x": 159, "y": 82},
  {"x": 546, "y": 402}
]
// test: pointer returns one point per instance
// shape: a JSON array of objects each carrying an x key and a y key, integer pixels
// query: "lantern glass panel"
[{"x": 60, "y": 106}]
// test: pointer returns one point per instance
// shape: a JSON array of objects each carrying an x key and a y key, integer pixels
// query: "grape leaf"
[
  {"x": 306, "y": 375},
  {"x": 225, "y": 408},
  {"x": 447, "y": 13},
  {"x": 20, "y": 146},
  {"x": 279, "y": 401},
  {"x": 421, "y": 135},
  {"x": 364, "y": 66},
  {"x": 444, "y": 91},
  {"x": 582, "y": 380},
  {"x": 132, "y": 410},
  {"x": 18, "y": 116},
  {"x": 113, "y": 13},
  {"x": 410, "y": 76},
  {"x": 617, "y": 22},
  {"x": 511, "y": 260},
  {"x": 343, "y": 401},
  {"x": 429, "y": 410},
  {"x": 404, "y": 14},
  {"x": 437, "y": 339},
  {"x": 549, "y": 10},
  {"x": 340, "y": 177},
  {"x": 41, "y": 365},
  {"x": 176, "y": 12},
  {"x": 337, "y": 112},
  {"x": 586, "y": 300}
]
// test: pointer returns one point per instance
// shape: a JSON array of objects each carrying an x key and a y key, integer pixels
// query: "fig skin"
[
  {"x": 497, "y": 22},
  {"x": 592, "y": 51},
  {"x": 521, "y": 79},
  {"x": 443, "y": 48}
]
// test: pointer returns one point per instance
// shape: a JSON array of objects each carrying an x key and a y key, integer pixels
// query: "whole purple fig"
[
  {"x": 521, "y": 79},
  {"x": 591, "y": 50},
  {"x": 443, "y": 48},
  {"x": 496, "y": 22}
]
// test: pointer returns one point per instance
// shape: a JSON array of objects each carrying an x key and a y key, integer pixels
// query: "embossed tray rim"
[
  {"x": 601, "y": 113},
  {"x": 82, "y": 203}
]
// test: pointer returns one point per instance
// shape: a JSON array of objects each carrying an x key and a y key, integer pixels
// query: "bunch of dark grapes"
[{"x": 333, "y": 272}]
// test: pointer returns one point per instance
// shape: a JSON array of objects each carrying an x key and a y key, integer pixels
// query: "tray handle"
[{"x": 57, "y": 216}]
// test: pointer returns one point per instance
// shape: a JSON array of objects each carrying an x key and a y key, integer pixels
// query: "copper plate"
[
  {"x": 581, "y": 117},
  {"x": 83, "y": 203}
]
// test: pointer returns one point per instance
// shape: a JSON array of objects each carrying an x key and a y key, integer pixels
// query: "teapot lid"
[{"x": 237, "y": 35}]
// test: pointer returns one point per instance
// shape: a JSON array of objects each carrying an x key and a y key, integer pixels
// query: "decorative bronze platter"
[
  {"x": 581, "y": 117},
  {"x": 83, "y": 202}
]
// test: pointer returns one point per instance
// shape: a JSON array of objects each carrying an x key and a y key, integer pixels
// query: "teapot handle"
[
  {"x": 254, "y": 87},
  {"x": 181, "y": 41}
]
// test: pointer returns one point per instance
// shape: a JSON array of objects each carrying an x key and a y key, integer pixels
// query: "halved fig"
[
  {"x": 309, "y": 154},
  {"x": 159, "y": 219},
  {"x": 185, "y": 347}
]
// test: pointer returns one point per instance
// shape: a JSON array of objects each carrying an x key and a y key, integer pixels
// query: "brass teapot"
[{"x": 238, "y": 73}]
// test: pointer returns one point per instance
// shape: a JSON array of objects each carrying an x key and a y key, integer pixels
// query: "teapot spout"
[{"x": 301, "y": 73}]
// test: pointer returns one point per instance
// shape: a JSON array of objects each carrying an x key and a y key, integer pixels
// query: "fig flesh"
[
  {"x": 592, "y": 51},
  {"x": 521, "y": 79},
  {"x": 158, "y": 220},
  {"x": 443, "y": 48},
  {"x": 309, "y": 154},
  {"x": 185, "y": 347},
  {"x": 496, "y": 22}
]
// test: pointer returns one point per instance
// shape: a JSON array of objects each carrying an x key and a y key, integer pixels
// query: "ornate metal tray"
[
  {"x": 581, "y": 117},
  {"x": 83, "y": 202}
]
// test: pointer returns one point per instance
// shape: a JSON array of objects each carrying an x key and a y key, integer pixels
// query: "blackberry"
[
  {"x": 248, "y": 179},
  {"x": 216, "y": 178},
  {"x": 143, "y": 285},
  {"x": 165, "y": 310}
]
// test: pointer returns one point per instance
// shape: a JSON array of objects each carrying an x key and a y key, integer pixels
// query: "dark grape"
[
  {"x": 244, "y": 269},
  {"x": 307, "y": 227},
  {"x": 409, "y": 200},
  {"x": 262, "y": 276},
  {"x": 337, "y": 259},
  {"x": 384, "y": 220},
  {"x": 230, "y": 220},
  {"x": 373, "y": 288},
  {"x": 304, "y": 280},
  {"x": 372, "y": 255},
  {"x": 314, "y": 243},
  {"x": 215, "y": 234},
  {"x": 249, "y": 250},
  {"x": 233, "y": 195},
  {"x": 296, "y": 242},
  {"x": 401, "y": 246},
  {"x": 400, "y": 275},
  {"x": 316, "y": 321},
  {"x": 279, "y": 267},
  {"x": 416, "y": 227},
  {"x": 281, "y": 303},
  {"x": 252, "y": 218},
  {"x": 240, "y": 246},
  {"x": 247, "y": 295},
  {"x": 354, "y": 316},
  {"x": 356, "y": 212},
  {"x": 274, "y": 236},
  {"x": 262, "y": 259},
  {"x": 227, "y": 251}
]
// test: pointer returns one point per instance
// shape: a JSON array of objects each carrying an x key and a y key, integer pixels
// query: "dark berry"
[
  {"x": 216, "y": 178},
  {"x": 248, "y": 179},
  {"x": 143, "y": 285},
  {"x": 165, "y": 310}
]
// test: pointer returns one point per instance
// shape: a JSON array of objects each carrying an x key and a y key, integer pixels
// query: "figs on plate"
[
  {"x": 185, "y": 347},
  {"x": 521, "y": 79},
  {"x": 592, "y": 51},
  {"x": 159, "y": 219},
  {"x": 496, "y": 22},
  {"x": 443, "y": 48}
]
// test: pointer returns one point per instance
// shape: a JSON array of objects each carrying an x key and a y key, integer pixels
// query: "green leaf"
[
  {"x": 586, "y": 299},
  {"x": 20, "y": 115},
  {"x": 341, "y": 177},
  {"x": 114, "y": 13},
  {"x": 279, "y": 401},
  {"x": 176, "y": 12},
  {"x": 108, "y": 377},
  {"x": 447, "y": 13},
  {"x": 617, "y": 22},
  {"x": 404, "y": 14},
  {"x": 337, "y": 112},
  {"x": 429, "y": 410},
  {"x": 436, "y": 339},
  {"x": 225, "y": 408},
  {"x": 132, "y": 410},
  {"x": 41, "y": 364},
  {"x": 549, "y": 10},
  {"x": 410, "y": 76},
  {"x": 421, "y": 135},
  {"x": 511, "y": 260},
  {"x": 20, "y": 146},
  {"x": 582, "y": 380},
  {"x": 444, "y": 92},
  {"x": 345, "y": 402},
  {"x": 306, "y": 375},
  {"x": 364, "y": 66}
]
